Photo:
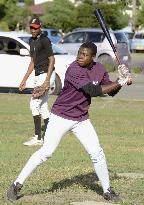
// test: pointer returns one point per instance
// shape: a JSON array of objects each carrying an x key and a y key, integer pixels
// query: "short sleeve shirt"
[
  {"x": 40, "y": 50},
  {"x": 73, "y": 103}
]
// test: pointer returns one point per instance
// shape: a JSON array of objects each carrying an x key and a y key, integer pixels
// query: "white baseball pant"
[
  {"x": 86, "y": 134},
  {"x": 39, "y": 106}
]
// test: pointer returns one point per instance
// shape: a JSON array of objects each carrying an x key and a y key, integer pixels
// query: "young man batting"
[
  {"x": 42, "y": 62},
  {"x": 84, "y": 79}
]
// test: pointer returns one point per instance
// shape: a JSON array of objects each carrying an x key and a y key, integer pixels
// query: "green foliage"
[
  {"x": 137, "y": 70},
  {"x": 85, "y": 16},
  {"x": 110, "y": 67},
  {"x": 69, "y": 175},
  {"x": 140, "y": 16},
  {"x": 113, "y": 15},
  {"x": 4, "y": 26},
  {"x": 12, "y": 14},
  {"x": 60, "y": 14},
  {"x": 70, "y": 17},
  {"x": 125, "y": 3},
  {"x": 28, "y": 2}
]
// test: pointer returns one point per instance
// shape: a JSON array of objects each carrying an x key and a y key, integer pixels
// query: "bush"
[
  {"x": 136, "y": 70},
  {"x": 110, "y": 67},
  {"x": 4, "y": 26}
]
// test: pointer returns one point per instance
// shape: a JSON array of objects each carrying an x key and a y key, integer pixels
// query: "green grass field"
[{"x": 69, "y": 175}]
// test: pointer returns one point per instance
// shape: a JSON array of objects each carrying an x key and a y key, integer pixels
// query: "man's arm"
[
  {"x": 98, "y": 90},
  {"x": 29, "y": 71}
]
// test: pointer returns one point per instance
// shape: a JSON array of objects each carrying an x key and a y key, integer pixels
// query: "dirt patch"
[
  {"x": 131, "y": 175},
  {"x": 91, "y": 203}
]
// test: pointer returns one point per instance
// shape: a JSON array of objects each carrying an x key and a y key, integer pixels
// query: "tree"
[
  {"x": 140, "y": 16},
  {"x": 112, "y": 13},
  {"x": 59, "y": 14},
  {"x": 12, "y": 15},
  {"x": 85, "y": 15}
]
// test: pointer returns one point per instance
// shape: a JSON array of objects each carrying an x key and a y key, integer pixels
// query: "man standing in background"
[{"x": 42, "y": 62}]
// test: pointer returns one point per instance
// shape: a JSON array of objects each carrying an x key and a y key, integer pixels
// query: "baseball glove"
[
  {"x": 39, "y": 91},
  {"x": 125, "y": 73}
]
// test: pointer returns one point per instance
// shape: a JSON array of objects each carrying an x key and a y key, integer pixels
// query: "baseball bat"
[{"x": 105, "y": 29}]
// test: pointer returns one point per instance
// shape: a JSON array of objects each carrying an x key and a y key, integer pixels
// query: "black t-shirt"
[{"x": 40, "y": 50}]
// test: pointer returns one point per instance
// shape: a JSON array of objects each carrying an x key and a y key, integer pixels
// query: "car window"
[
  {"x": 11, "y": 46},
  {"x": 56, "y": 34},
  {"x": 45, "y": 32},
  {"x": 2, "y": 51},
  {"x": 74, "y": 38},
  {"x": 95, "y": 36},
  {"x": 129, "y": 35},
  {"x": 25, "y": 39},
  {"x": 140, "y": 36},
  {"x": 121, "y": 38},
  {"x": 57, "y": 50}
]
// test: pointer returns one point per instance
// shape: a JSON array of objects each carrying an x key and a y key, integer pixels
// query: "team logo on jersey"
[{"x": 95, "y": 82}]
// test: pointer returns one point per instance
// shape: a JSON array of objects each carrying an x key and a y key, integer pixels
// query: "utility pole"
[{"x": 134, "y": 14}]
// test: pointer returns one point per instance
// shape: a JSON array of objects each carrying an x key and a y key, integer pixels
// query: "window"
[
  {"x": 140, "y": 36},
  {"x": 11, "y": 46},
  {"x": 56, "y": 34},
  {"x": 25, "y": 39},
  {"x": 129, "y": 35},
  {"x": 75, "y": 38},
  {"x": 121, "y": 38},
  {"x": 95, "y": 37},
  {"x": 45, "y": 32}
]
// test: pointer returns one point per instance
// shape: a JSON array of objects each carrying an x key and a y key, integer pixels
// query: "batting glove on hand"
[
  {"x": 123, "y": 70},
  {"x": 123, "y": 81},
  {"x": 124, "y": 73}
]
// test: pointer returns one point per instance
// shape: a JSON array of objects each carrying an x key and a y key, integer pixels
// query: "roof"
[
  {"x": 88, "y": 29},
  {"x": 37, "y": 9}
]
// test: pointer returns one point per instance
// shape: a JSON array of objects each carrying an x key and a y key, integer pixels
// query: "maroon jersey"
[{"x": 73, "y": 103}]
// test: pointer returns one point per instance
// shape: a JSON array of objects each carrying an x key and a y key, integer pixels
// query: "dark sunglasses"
[{"x": 33, "y": 28}]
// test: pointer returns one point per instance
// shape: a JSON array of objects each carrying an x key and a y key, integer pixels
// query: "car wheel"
[
  {"x": 105, "y": 59},
  {"x": 58, "y": 85},
  {"x": 108, "y": 62},
  {"x": 133, "y": 50}
]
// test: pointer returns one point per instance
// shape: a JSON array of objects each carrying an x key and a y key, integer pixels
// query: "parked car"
[
  {"x": 15, "y": 58},
  {"x": 129, "y": 35},
  {"x": 53, "y": 34},
  {"x": 137, "y": 43},
  {"x": 123, "y": 46},
  {"x": 72, "y": 41}
]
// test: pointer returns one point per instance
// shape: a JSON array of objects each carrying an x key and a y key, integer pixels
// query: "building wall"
[{"x": 41, "y": 1}]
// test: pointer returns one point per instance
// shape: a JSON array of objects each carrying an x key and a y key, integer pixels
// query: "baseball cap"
[{"x": 35, "y": 22}]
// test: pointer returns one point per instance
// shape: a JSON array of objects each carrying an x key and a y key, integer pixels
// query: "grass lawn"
[{"x": 69, "y": 175}]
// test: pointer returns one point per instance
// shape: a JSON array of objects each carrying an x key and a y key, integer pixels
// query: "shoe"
[
  {"x": 12, "y": 192},
  {"x": 33, "y": 142},
  {"x": 111, "y": 195}
]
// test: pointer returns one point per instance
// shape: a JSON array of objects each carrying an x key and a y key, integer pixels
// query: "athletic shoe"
[
  {"x": 33, "y": 142},
  {"x": 111, "y": 195},
  {"x": 12, "y": 192}
]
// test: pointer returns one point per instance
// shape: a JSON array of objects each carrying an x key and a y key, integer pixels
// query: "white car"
[
  {"x": 137, "y": 43},
  {"x": 15, "y": 58},
  {"x": 72, "y": 41}
]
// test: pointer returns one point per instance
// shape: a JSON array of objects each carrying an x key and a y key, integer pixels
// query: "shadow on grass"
[{"x": 88, "y": 181}]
